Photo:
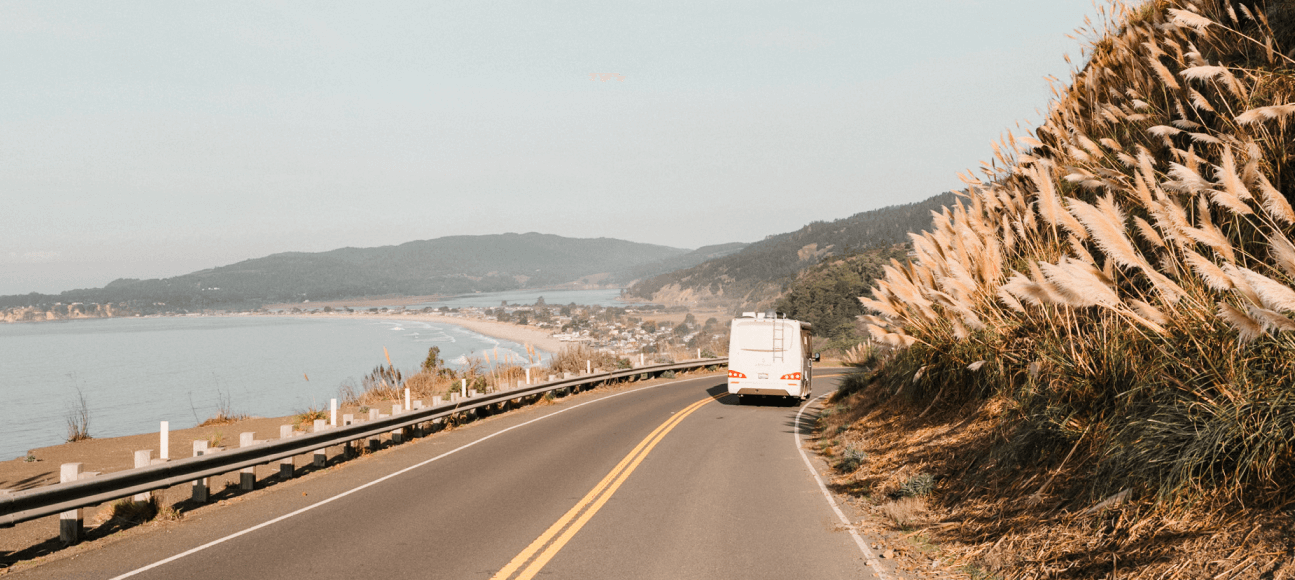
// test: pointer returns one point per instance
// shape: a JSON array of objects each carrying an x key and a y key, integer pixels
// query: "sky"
[{"x": 152, "y": 139}]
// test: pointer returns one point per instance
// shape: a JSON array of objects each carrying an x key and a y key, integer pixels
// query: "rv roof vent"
[
  {"x": 759, "y": 316},
  {"x": 748, "y": 315}
]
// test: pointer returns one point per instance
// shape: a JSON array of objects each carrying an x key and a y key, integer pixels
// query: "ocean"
[{"x": 135, "y": 372}]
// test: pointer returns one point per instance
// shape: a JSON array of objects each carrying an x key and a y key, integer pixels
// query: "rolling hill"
[
  {"x": 756, "y": 275},
  {"x": 447, "y": 265}
]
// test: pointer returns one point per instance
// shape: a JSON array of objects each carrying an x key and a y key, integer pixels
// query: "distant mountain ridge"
[
  {"x": 447, "y": 265},
  {"x": 757, "y": 274}
]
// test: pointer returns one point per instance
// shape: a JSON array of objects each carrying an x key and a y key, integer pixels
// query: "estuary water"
[{"x": 135, "y": 372}]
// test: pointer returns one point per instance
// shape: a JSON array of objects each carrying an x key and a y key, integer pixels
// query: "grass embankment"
[{"x": 1093, "y": 354}]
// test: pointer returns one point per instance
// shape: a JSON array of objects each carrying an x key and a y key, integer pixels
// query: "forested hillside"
[
  {"x": 760, "y": 272},
  {"x": 827, "y": 295}
]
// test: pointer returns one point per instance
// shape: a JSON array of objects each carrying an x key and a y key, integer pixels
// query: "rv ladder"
[{"x": 778, "y": 339}]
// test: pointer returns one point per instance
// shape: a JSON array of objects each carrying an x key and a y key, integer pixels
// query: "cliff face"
[{"x": 60, "y": 312}]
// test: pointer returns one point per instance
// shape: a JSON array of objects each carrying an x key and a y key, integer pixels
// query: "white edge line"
[
  {"x": 377, "y": 481},
  {"x": 863, "y": 546}
]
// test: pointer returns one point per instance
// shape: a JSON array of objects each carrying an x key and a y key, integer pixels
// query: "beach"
[{"x": 531, "y": 335}]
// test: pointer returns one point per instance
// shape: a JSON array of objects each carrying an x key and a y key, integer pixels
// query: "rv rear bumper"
[{"x": 748, "y": 387}]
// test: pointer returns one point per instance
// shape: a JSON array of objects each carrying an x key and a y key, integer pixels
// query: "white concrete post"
[
  {"x": 699, "y": 354},
  {"x": 463, "y": 388},
  {"x": 165, "y": 434},
  {"x": 375, "y": 442},
  {"x": 285, "y": 465},
  {"x": 70, "y": 523},
  {"x": 397, "y": 435},
  {"x": 528, "y": 375},
  {"x": 418, "y": 404},
  {"x": 247, "y": 477},
  {"x": 200, "y": 491},
  {"x": 589, "y": 367},
  {"x": 436, "y": 401},
  {"x": 143, "y": 458},
  {"x": 350, "y": 447},
  {"x": 332, "y": 412},
  {"x": 640, "y": 359},
  {"x": 407, "y": 407},
  {"x": 321, "y": 454}
]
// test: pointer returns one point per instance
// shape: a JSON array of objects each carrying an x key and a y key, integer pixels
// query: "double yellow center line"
[{"x": 594, "y": 501}]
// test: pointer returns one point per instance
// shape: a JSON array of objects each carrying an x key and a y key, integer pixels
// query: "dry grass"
[
  {"x": 905, "y": 512},
  {"x": 128, "y": 511},
  {"x": 78, "y": 419},
  {"x": 572, "y": 359},
  {"x": 1121, "y": 282},
  {"x": 306, "y": 419},
  {"x": 1093, "y": 348},
  {"x": 225, "y": 413},
  {"x": 981, "y": 515}
]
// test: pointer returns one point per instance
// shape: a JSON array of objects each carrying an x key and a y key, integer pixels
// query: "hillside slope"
[
  {"x": 1099, "y": 332},
  {"x": 758, "y": 273}
]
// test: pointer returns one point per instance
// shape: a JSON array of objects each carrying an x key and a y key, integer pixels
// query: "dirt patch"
[{"x": 935, "y": 482}]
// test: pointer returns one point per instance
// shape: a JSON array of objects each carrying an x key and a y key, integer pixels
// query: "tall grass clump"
[
  {"x": 78, "y": 418},
  {"x": 1125, "y": 276},
  {"x": 571, "y": 359}
]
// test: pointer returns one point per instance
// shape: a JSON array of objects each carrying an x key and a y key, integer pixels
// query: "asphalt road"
[{"x": 670, "y": 481}]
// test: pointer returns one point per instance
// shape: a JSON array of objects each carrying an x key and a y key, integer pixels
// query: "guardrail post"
[
  {"x": 528, "y": 375},
  {"x": 165, "y": 434},
  {"x": 375, "y": 442},
  {"x": 143, "y": 458},
  {"x": 247, "y": 477},
  {"x": 397, "y": 435},
  {"x": 72, "y": 522},
  {"x": 332, "y": 412},
  {"x": 407, "y": 403},
  {"x": 589, "y": 366},
  {"x": 200, "y": 491},
  {"x": 321, "y": 454},
  {"x": 436, "y": 401},
  {"x": 286, "y": 466},
  {"x": 348, "y": 450}
]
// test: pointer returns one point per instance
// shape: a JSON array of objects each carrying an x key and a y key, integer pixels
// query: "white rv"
[{"x": 769, "y": 354}]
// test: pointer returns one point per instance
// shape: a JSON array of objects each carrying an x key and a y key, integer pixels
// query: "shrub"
[
  {"x": 920, "y": 485},
  {"x": 851, "y": 459}
]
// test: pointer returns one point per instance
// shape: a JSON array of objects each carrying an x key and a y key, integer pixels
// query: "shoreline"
[{"x": 536, "y": 337}]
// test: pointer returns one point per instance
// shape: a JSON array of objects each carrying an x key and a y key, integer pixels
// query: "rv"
[{"x": 769, "y": 354}]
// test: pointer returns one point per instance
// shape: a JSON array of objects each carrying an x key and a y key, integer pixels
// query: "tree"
[{"x": 433, "y": 359}]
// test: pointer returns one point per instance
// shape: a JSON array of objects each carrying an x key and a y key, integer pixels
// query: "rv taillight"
[
  {"x": 791, "y": 377},
  {"x": 732, "y": 374}
]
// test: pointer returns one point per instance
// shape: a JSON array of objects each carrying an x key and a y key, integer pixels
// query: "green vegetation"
[
  {"x": 827, "y": 296},
  {"x": 756, "y": 275}
]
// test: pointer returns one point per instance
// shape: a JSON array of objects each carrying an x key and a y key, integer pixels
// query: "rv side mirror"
[{"x": 816, "y": 357}]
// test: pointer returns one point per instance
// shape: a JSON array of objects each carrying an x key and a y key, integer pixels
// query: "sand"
[{"x": 536, "y": 337}]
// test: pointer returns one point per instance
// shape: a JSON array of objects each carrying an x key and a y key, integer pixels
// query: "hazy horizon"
[{"x": 154, "y": 139}]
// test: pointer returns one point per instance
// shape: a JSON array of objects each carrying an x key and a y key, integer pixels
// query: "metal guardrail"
[{"x": 36, "y": 503}]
